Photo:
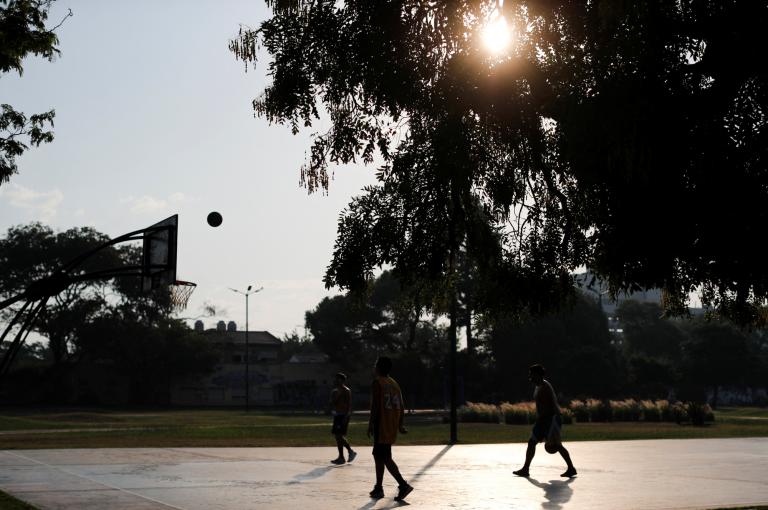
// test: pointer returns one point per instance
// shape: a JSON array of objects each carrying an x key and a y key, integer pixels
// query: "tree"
[
  {"x": 141, "y": 361},
  {"x": 31, "y": 252},
  {"x": 23, "y": 32},
  {"x": 646, "y": 332},
  {"x": 294, "y": 344},
  {"x": 384, "y": 319},
  {"x": 599, "y": 111},
  {"x": 344, "y": 330},
  {"x": 717, "y": 355},
  {"x": 387, "y": 318},
  {"x": 573, "y": 344}
]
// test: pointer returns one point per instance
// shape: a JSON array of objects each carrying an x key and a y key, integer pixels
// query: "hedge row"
[{"x": 591, "y": 410}]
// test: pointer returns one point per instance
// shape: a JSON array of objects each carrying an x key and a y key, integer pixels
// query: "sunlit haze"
[{"x": 497, "y": 35}]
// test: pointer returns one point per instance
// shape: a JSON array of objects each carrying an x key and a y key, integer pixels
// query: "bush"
[
  {"x": 625, "y": 410},
  {"x": 678, "y": 412},
  {"x": 579, "y": 410},
  {"x": 665, "y": 409},
  {"x": 650, "y": 410},
  {"x": 699, "y": 413},
  {"x": 567, "y": 416},
  {"x": 631, "y": 410},
  {"x": 524, "y": 413},
  {"x": 709, "y": 415},
  {"x": 476, "y": 412},
  {"x": 521, "y": 413},
  {"x": 599, "y": 410}
]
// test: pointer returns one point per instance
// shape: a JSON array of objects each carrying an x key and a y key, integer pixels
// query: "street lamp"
[{"x": 247, "y": 294}]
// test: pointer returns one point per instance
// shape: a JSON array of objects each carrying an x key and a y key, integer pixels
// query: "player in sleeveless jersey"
[{"x": 387, "y": 413}]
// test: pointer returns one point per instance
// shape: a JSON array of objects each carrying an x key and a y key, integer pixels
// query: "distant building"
[
  {"x": 262, "y": 345},
  {"x": 304, "y": 380}
]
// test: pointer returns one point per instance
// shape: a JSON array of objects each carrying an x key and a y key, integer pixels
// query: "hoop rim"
[{"x": 183, "y": 283}]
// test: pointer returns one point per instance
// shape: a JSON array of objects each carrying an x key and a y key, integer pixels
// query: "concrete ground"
[{"x": 668, "y": 474}]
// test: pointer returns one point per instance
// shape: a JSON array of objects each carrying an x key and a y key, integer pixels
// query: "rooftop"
[{"x": 238, "y": 337}]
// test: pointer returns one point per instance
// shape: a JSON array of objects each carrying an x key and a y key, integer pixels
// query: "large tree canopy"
[
  {"x": 628, "y": 137},
  {"x": 23, "y": 32}
]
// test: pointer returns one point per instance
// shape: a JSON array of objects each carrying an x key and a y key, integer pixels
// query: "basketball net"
[{"x": 180, "y": 292}]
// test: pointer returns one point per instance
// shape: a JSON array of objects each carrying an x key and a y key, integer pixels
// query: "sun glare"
[{"x": 497, "y": 35}]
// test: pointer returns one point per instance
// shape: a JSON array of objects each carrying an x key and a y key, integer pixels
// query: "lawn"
[
  {"x": 88, "y": 428},
  {"x": 8, "y": 502}
]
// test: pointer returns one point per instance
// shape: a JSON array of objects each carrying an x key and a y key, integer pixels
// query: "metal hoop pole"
[
  {"x": 14, "y": 321},
  {"x": 21, "y": 336},
  {"x": 8, "y": 302},
  {"x": 130, "y": 236}
]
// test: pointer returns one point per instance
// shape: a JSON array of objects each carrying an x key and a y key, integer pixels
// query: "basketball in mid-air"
[{"x": 214, "y": 219}]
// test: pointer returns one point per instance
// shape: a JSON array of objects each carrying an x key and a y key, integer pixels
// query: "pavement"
[{"x": 665, "y": 474}]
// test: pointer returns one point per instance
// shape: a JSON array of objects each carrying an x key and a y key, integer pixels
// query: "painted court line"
[{"x": 109, "y": 486}]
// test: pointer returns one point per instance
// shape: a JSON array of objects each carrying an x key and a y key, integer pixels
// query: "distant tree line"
[
  {"x": 108, "y": 343},
  {"x": 654, "y": 357},
  {"x": 101, "y": 342}
]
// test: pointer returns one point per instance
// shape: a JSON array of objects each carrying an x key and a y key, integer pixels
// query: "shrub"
[
  {"x": 477, "y": 412},
  {"x": 678, "y": 412},
  {"x": 579, "y": 410},
  {"x": 699, "y": 413},
  {"x": 567, "y": 416},
  {"x": 651, "y": 411},
  {"x": 599, "y": 410},
  {"x": 709, "y": 415},
  {"x": 665, "y": 410},
  {"x": 625, "y": 410},
  {"x": 520, "y": 413}
]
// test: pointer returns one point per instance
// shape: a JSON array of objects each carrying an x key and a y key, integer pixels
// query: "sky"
[{"x": 154, "y": 118}]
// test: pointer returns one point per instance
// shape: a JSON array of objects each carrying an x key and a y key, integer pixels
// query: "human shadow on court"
[
  {"x": 434, "y": 460},
  {"x": 311, "y": 475},
  {"x": 392, "y": 504},
  {"x": 556, "y": 492}
]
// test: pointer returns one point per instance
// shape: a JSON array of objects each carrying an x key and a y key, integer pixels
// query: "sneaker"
[
  {"x": 570, "y": 473},
  {"x": 377, "y": 493},
  {"x": 403, "y": 491},
  {"x": 351, "y": 456},
  {"x": 522, "y": 472},
  {"x": 338, "y": 461}
]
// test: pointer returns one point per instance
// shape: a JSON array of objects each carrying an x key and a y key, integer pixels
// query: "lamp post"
[{"x": 247, "y": 294}]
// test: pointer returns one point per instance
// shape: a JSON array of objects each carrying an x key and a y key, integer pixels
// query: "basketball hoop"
[{"x": 180, "y": 292}]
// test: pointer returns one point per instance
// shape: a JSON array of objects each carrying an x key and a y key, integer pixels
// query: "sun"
[{"x": 497, "y": 35}]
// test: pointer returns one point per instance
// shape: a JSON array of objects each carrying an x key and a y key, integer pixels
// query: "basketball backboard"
[{"x": 159, "y": 254}]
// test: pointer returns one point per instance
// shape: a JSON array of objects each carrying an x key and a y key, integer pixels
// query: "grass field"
[
  {"x": 83, "y": 428},
  {"x": 8, "y": 502}
]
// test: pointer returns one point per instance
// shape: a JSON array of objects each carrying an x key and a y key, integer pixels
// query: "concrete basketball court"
[{"x": 668, "y": 474}]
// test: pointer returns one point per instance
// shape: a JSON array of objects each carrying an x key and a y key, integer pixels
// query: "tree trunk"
[
  {"x": 58, "y": 346},
  {"x": 453, "y": 312},
  {"x": 452, "y": 361},
  {"x": 471, "y": 347},
  {"x": 412, "y": 328}
]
